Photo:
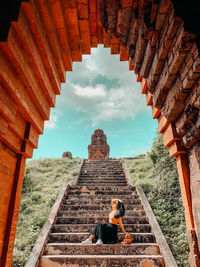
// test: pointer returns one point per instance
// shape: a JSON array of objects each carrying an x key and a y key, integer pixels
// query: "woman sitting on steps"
[{"x": 107, "y": 233}]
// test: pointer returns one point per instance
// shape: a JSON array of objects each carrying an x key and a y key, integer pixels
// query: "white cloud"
[
  {"x": 51, "y": 124},
  {"x": 90, "y": 92},
  {"x": 102, "y": 88}
]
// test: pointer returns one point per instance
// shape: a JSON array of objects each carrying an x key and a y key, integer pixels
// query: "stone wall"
[{"x": 194, "y": 160}]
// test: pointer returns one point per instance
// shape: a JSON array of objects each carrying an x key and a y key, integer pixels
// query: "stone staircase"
[{"x": 89, "y": 202}]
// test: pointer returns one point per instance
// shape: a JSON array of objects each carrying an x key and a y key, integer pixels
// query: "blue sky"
[{"x": 101, "y": 92}]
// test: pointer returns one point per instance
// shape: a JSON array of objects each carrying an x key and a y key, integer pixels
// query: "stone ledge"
[{"x": 160, "y": 239}]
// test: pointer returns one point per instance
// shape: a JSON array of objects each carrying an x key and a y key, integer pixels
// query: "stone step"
[
  {"x": 101, "y": 163},
  {"x": 107, "y": 171},
  {"x": 101, "y": 175},
  {"x": 86, "y": 228},
  {"x": 101, "y": 179},
  {"x": 100, "y": 197},
  {"x": 103, "y": 167},
  {"x": 79, "y": 237},
  {"x": 101, "y": 260},
  {"x": 104, "y": 193},
  {"x": 93, "y": 207},
  {"x": 92, "y": 195},
  {"x": 112, "y": 188},
  {"x": 106, "y": 180},
  {"x": 100, "y": 213},
  {"x": 105, "y": 249},
  {"x": 86, "y": 220},
  {"x": 101, "y": 183},
  {"x": 108, "y": 193},
  {"x": 97, "y": 201},
  {"x": 103, "y": 171}
]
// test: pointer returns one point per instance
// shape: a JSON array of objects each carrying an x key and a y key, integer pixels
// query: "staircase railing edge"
[
  {"x": 79, "y": 171},
  {"x": 160, "y": 239},
  {"x": 125, "y": 170}
]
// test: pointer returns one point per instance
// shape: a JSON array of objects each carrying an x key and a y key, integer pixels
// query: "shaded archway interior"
[{"x": 41, "y": 39}]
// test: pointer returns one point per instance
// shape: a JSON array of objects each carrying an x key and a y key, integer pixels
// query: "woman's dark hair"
[{"x": 120, "y": 211}]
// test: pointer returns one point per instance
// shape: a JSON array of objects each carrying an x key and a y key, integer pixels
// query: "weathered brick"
[
  {"x": 155, "y": 112},
  {"x": 176, "y": 148},
  {"x": 144, "y": 86},
  {"x": 162, "y": 123},
  {"x": 170, "y": 135},
  {"x": 148, "y": 98}
]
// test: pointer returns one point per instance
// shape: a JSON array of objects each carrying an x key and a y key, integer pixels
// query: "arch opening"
[{"x": 100, "y": 93}]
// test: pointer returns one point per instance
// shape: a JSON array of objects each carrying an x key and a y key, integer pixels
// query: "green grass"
[
  {"x": 42, "y": 182},
  {"x": 156, "y": 172}
]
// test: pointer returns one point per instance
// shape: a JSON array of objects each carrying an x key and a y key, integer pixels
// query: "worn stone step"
[
  {"x": 97, "y": 207},
  {"x": 105, "y": 182},
  {"x": 101, "y": 173},
  {"x": 86, "y": 228},
  {"x": 87, "y": 219},
  {"x": 96, "y": 201},
  {"x": 79, "y": 249},
  {"x": 102, "y": 166},
  {"x": 92, "y": 193},
  {"x": 99, "y": 202},
  {"x": 108, "y": 171},
  {"x": 102, "y": 183},
  {"x": 99, "y": 198},
  {"x": 78, "y": 237},
  {"x": 92, "y": 196},
  {"x": 91, "y": 209},
  {"x": 103, "y": 193},
  {"x": 101, "y": 179},
  {"x": 100, "y": 213},
  {"x": 102, "y": 176},
  {"x": 112, "y": 188},
  {"x": 101, "y": 260}
]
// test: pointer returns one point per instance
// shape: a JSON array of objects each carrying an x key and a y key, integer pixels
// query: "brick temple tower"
[{"x": 99, "y": 149}]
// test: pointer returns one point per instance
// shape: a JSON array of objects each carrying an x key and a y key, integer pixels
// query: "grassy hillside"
[
  {"x": 42, "y": 182},
  {"x": 156, "y": 172}
]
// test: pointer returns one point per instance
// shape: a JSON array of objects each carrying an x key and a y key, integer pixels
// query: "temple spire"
[{"x": 99, "y": 149}]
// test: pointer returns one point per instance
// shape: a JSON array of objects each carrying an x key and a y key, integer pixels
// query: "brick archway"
[{"x": 40, "y": 39}]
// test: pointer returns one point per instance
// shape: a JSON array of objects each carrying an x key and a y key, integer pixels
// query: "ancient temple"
[{"x": 99, "y": 149}]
